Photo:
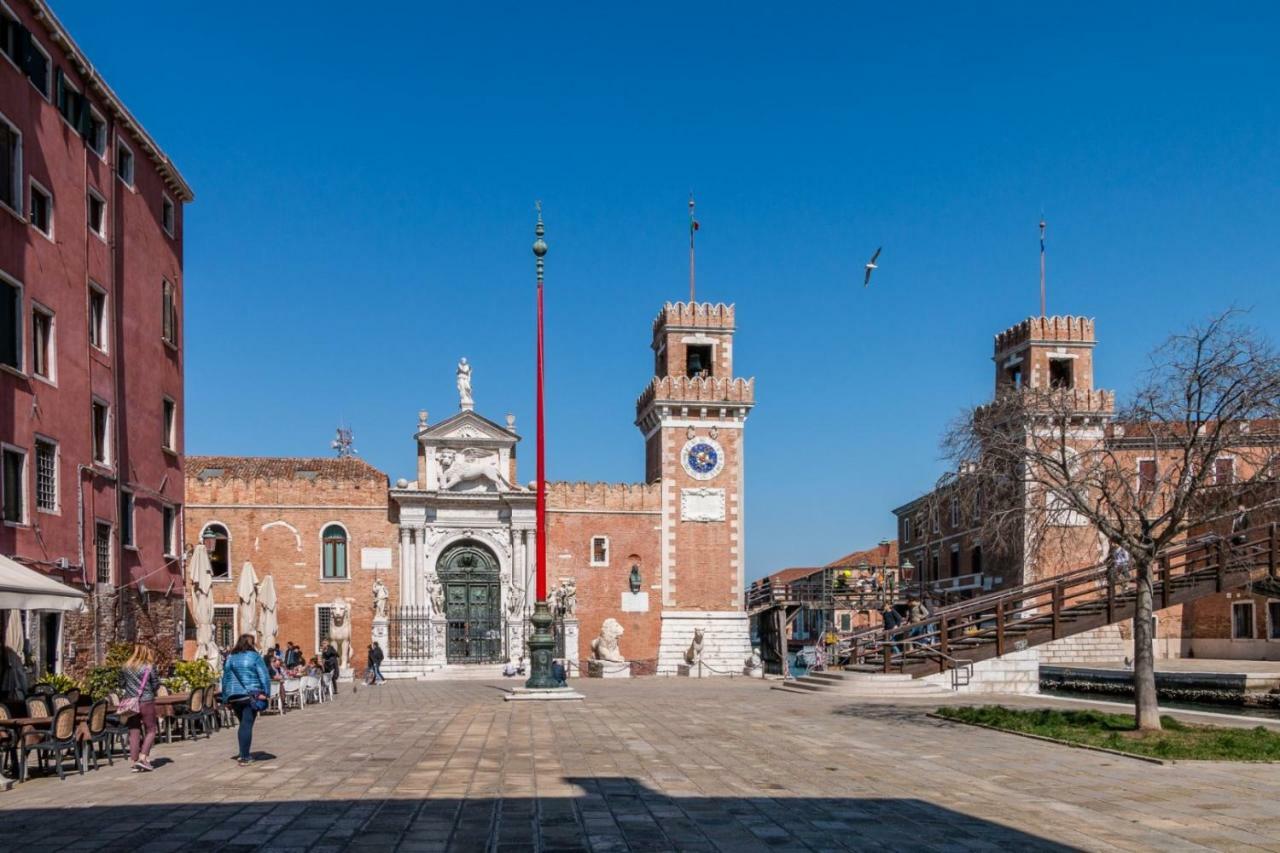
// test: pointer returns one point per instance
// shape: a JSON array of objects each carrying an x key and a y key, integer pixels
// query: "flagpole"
[
  {"x": 1042, "y": 300},
  {"x": 542, "y": 642},
  {"x": 693, "y": 227}
]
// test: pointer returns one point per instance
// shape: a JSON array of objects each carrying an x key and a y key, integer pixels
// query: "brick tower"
[{"x": 692, "y": 416}]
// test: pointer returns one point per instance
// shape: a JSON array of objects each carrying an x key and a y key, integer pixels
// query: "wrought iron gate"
[{"x": 409, "y": 634}]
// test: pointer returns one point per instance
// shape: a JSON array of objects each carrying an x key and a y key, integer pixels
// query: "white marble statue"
[
  {"x": 381, "y": 599},
  {"x": 340, "y": 630},
  {"x": 693, "y": 654},
  {"x": 567, "y": 598},
  {"x": 464, "y": 385},
  {"x": 467, "y": 466},
  {"x": 605, "y": 646},
  {"x": 435, "y": 596}
]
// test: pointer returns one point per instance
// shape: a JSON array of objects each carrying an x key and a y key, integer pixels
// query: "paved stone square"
[{"x": 649, "y": 764}]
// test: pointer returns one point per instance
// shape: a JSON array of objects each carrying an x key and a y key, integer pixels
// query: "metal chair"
[
  {"x": 37, "y": 706},
  {"x": 59, "y": 741},
  {"x": 99, "y": 735},
  {"x": 61, "y": 701},
  {"x": 212, "y": 717},
  {"x": 276, "y": 698},
  {"x": 116, "y": 727},
  {"x": 192, "y": 717}
]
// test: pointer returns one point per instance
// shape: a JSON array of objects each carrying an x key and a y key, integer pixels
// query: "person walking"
[
  {"x": 246, "y": 686},
  {"x": 375, "y": 663},
  {"x": 138, "y": 683},
  {"x": 330, "y": 658},
  {"x": 917, "y": 614}
]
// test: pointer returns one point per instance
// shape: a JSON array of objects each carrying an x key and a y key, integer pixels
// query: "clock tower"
[{"x": 692, "y": 416}]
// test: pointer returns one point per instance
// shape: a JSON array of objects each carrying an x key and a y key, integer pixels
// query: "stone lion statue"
[
  {"x": 340, "y": 630},
  {"x": 605, "y": 646},
  {"x": 468, "y": 466},
  {"x": 693, "y": 654}
]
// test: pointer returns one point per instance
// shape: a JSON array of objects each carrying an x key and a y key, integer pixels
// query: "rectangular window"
[
  {"x": 97, "y": 214},
  {"x": 37, "y": 67},
  {"x": 41, "y": 210},
  {"x": 224, "y": 625},
  {"x": 955, "y": 561},
  {"x": 98, "y": 317},
  {"x": 698, "y": 360},
  {"x": 1224, "y": 471},
  {"x": 124, "y": 162},
  {"x": 1242, "y": 620},
  {"x": 68, "y": 100},
  {"x": 46, "y": 476},
  {"x": 126, "y": 518},
  {"x": 11, "y": 323},
  {"x": 102, "y": 551},
  {"x": 167, "y": 215},
  {"x": 95, "y": 132},
  {"x": 906, "y": 530},
  {"x": 1060, "y": 373},
  {"x": 600, "y": 551},
  {"x": 1146, "y": 476},
  {"x": 169, "y": 425},
  {"x": 15, "y": 498},
  {"x": 10, "y": 167},
  {"x": 170, "y": 521},
  {"x": 955, "y": 513},
  {"x": 1273, "y": 620},
  {"x": 42, "y": 349},
  {"x": 101, "y": 433},
  {"x": 169, "y": 314},
  {"x": 324, "y": 625}
]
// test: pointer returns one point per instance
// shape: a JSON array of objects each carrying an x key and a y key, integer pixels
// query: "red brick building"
[{"x": 91, "y": 345}]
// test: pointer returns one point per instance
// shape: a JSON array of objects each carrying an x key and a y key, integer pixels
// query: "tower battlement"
[
  {"x": 704, "y": 315},
  {"x": 681, "y": 389},
  {"x": 1058, "y": 329},
  {"x": 617, "y": 497}
]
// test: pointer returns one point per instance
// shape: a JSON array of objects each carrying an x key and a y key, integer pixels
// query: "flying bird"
[{"x": 871, "y": 265}]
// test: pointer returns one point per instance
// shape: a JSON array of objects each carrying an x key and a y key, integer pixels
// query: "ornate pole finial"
[{"x": 539, "y": 245}]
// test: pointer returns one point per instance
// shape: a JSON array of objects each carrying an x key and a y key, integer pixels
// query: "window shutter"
[
  {"x": 85, "y": 124},
  {"x": 59, "y": 90}
]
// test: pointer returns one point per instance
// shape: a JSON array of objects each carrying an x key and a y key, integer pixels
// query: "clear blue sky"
[{"x": 365, "y": 178}]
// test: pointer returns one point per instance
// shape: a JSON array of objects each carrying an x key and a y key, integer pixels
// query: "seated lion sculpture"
[
  {"x": 693, "y": 654},
  {"x": 605, "y": 646}
]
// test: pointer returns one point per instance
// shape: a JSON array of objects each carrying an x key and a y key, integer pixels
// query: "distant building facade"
[
  {"x": 456, "y": 543},
  {"x": 91, "y": 348}
]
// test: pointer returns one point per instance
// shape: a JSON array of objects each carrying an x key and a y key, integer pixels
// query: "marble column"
[
  {"x": 419, "y": 563},
  {"x": 406, "y": 567},
  {"x": 531, "y": 569}
]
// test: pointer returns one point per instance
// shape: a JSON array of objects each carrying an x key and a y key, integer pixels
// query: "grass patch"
[{"x": 1178, "y": 740}]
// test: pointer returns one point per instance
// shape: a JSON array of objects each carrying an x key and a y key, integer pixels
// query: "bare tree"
[{"x": 1063, "y": 475}]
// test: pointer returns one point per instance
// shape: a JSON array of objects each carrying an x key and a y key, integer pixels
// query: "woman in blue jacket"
[{"x": 246, "y": 686}]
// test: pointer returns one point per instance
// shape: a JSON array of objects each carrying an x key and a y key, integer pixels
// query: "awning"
[{"x": 22, "y": 588}]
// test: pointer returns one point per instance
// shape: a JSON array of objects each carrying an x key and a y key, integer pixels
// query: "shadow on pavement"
[{"x": 608, "y": 814}]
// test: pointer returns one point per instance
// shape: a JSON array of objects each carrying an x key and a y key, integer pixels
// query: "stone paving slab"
[{"x": 644, "y": 765}]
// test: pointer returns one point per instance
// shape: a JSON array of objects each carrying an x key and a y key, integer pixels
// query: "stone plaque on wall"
[
  {"x": 702, "y": 504},
  {"x": 375, "y": 559}
]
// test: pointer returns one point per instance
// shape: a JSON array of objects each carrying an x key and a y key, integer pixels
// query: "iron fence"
[{"x": 409, "y": 633}]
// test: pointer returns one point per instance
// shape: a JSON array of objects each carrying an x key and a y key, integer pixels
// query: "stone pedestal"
[
  {"x": 543, "y": 694},
  {"x": 570, "y": 645},
  {"x": 726, "y": 642},
  {"x": 380, "y": 634},
  {"x": 608, "y": 669}
]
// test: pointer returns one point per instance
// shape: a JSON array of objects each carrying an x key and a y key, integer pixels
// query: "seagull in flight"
[{"x": 871, "y": 265}]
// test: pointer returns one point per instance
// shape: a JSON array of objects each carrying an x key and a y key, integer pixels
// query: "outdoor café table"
[{"x": 19, "y": 725}]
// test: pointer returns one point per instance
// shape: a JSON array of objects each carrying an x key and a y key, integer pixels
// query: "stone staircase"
[
  {"x": 725, "y": 644},
  {"x": 863, "y": 685}
]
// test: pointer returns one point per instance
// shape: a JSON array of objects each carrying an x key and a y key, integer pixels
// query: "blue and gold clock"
[{"x": 702, "y": 458}]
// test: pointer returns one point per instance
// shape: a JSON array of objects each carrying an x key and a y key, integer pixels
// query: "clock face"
[{"x": 702, "y": 458}]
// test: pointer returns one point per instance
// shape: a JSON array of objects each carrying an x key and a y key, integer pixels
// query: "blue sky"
[{"x": 365, "y": 179}]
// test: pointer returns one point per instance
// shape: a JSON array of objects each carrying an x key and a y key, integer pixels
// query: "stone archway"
[{"x": 469, "y": 573}]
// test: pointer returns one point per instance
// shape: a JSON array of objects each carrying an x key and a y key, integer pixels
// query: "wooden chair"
[
  {"x": 98, "y": 734},
  {"x": 59, "y": 741},
  {"x": 192, "y": 718},
  {"x": 212, "y": 719}
]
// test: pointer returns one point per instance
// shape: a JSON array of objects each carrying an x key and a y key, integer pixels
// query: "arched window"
[
  {"x": 334, "y": 540},
  {"x": 218, "y": 543}
]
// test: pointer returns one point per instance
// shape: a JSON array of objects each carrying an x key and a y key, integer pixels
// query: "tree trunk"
[{"x": 1146, "y": 708}]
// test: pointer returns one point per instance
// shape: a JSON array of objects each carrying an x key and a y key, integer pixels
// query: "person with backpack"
[
  {"x": 375, "y": 664},
  {"x": 246, "y": 687},
  {"x": 138, "y": 683}
]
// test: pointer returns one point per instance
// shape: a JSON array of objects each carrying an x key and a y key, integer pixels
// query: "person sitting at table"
[
  {"x": 274, "y": 667},
  {"x": 314, "y": 669},
  {"x": 138, "y": 683}
]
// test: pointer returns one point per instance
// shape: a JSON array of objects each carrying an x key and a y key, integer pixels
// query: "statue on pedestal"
[
  {"x": 566, "y": 598},
  {"x": 340, "y": 630},
  {"x": 464, "y": 385},
  {"x": 605, "y": 646},
  {"x": 381, "y": 599},
  {"x": 435, "y": 596}
]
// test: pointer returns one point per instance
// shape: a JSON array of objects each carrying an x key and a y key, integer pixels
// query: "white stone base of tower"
[{"x": 726, "y": 641}]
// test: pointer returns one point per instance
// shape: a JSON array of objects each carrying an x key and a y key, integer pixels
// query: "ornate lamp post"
[{"x": 541, "y": 643}]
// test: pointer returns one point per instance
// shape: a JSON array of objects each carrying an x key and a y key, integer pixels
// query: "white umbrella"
[
  {"x": 15, "y": 675},
  {"x": 202, "y": 605},
  {"x": 248, "y": 594},
  {"x": 268, "y": 627}
]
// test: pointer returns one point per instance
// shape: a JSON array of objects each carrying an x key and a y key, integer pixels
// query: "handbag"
[{"x": 130, "y": 705}]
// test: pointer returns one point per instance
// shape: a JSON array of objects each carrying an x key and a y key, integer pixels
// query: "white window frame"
[
  {"x": 20, "y": 321},
  {"x": 133, "y": 520},
  {"x": 106, "y": 461},
  {"x": 167, "y": 203},
  {"x": 52, "y": 378},
  {"x": 168, "y": 438},
  {"x": 17, "y": 174},
  {"x": 1218, "y": 459},
  {"x": 906, "y": 529},
  {"x": 235, "y": 620},
  {"x": 32, "y": 186},
  {"x": 47, "y": 91},
  {"x": 101, "y": 234},
  {"x": 172, "y": 532},
  {"x": 592, "y": 556},
  {"x": 1253, "y": 620},
  {"x": 1137, "y": 474},
  {"x": 1270, "y": 624},
  {"x": 172, "y": 309},
  {"x": 104, "y": 327},
  {"x": 346, "y": 578},
  {"x": 316, "y": 623},
  {"x": 39, "y": 439},
  {"x": 101, "y": 151},
  {"x": 24, "y": 492},
  {"x": 131, "y": 180},
  {"x": 67, "y": 85},
  {"x": 230, "y": 566},
  {"x": 955, "y": 513},
  {"x": 111, "y": 552}
]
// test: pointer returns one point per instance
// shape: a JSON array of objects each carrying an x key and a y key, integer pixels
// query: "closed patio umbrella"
[
  {"x": 202, "y": 605},
  {"x": 247, "y": 592},
  {"x": 268, "y": 627},
  {"x": 15, "y": 676}
]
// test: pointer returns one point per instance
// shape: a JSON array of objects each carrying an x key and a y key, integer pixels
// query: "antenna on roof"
[{"x": 344, "y": 443}]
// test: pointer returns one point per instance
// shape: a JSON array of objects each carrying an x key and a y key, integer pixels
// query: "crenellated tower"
[{"x": 692, "y": 416}]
